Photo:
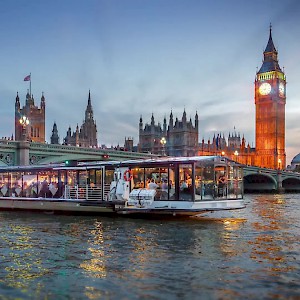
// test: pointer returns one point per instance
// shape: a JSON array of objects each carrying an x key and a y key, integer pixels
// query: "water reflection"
[
  {"x": 251, "y": 253},
  {"x": 273, "y": 240},
  {"x": 95, "y": 264},
  {"x": 20, "y": 258}
]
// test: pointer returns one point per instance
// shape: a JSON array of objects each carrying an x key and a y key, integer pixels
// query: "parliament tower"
[
  {"x": 270, "y": 99},
  {"x": 35, "y": 131}
]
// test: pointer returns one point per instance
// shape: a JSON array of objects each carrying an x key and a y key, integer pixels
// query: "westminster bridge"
[{"x": 25, "y": 153}]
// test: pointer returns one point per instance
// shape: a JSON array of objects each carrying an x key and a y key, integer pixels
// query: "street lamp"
[
  {"x": 163, "y": 142},
  {"x": 24, "y": 122},
  {"x": 236, "y": 154},
  {"x": 279, "y": 164}
]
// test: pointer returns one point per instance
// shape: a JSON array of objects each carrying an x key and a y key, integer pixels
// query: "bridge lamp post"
[
  {"x": 24, "y": 121},
  {"x": 236, "y": 154},
  {"x": 279, "y": 164},
  {"x": 163, "y": 142}
]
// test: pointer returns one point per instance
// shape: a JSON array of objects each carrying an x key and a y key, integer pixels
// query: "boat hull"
[
  {"x": 70, "y": 206},
  {"x": 182, "y": 208},
  {"x": 58, "y": 205}
]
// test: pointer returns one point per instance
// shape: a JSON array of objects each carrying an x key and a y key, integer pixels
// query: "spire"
[
  {"x": 171, "y": 119},
  {"x": 89, "y": 99},
  {"x": 43, "y": 100},
  {"x": 196, "y": 120},
  {"x": 152, "y": 120},
  {"x": 141, "y": 124},
  {"x": 184, "y": 116},
  {"x": 165, "y": 125},
  {"x": 54, "y": 137},
  {"x": 270, "y": 46},
  {"x": 270, "y": 62},
  {"x": 29, "y": 99}
]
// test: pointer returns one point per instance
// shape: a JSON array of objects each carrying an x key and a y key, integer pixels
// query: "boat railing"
[{"x": 86, "y": 192}]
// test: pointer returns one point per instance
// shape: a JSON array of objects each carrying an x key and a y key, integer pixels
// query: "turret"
[
  {"x": 171, "y": 121},
  {"x": 77, "y": 136},
  {"x": 196, "y": 120},
  {"x": 184, "y": 117},
  {"x": 152, "y": 120},
  {"x": 141, "y": 124},
  {"x": 54, "y": 137},
  {"x": 43, "y": 104},
  {"x": 17, "y": 103},
  {"x": 89, "y": 109},
  {"x": 165, "y": 126}
]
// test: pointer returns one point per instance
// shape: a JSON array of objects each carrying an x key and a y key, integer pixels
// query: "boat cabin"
[{"x": 167, "y": 179}]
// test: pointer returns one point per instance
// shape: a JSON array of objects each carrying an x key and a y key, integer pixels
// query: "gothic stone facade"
[
  {"x": 35, "y": 130},
  {"x": 181, "y": 137},
  {"x": 86, "y": 136}
]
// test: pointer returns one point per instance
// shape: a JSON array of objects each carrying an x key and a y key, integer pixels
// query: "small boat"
[{"x": 176, "y": 186}]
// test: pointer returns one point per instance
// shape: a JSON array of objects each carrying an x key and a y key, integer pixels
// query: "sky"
[{"x": 139, "y": 57}]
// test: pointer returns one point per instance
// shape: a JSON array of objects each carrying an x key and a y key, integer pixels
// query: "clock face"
[
  {"x": 281, "y": 89},
  {"x": 265, "y": 88}
]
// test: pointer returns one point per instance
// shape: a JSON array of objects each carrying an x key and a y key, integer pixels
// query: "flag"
[{"x": 27, "y": 78}]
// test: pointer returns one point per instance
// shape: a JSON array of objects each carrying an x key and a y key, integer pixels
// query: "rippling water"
[{"x": 252, "y": 253}]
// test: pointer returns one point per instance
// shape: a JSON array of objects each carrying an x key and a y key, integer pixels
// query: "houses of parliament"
[
  {"x": 85, "y": 136},
  {"x": 180, "y": 137}
]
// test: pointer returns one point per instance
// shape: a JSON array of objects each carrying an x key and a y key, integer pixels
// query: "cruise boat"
[{"x": 174, "y": 186}]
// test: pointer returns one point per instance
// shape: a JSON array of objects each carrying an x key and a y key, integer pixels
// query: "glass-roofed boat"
[{"x": 167, "y": 185}]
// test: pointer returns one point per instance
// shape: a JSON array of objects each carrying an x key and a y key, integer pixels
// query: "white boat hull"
[
  {"x": 178, "y": 208},
  {"x": 58, "y": 205}
]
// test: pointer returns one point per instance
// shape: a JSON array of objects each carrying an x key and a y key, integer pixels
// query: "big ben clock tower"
[{"x": 270, "y": 99}]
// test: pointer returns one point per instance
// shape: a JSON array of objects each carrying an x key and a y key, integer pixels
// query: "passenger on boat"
[
  {"x": 44, "y": 189},
  {"x": 221, "y": 185},
  {"x": 164, "y": 190},
  {"x": 152, "y": 185},
  {"x": 183, "y": 185}
]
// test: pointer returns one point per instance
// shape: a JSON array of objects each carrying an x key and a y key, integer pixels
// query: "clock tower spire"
[{"x": 270, "y": 99}]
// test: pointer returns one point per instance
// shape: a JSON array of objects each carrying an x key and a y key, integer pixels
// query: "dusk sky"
[{"x": 139, "y": 57}]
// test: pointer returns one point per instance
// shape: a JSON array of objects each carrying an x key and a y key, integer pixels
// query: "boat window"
[
  {"x": 162, "y": 179},
  {"x": 4, "y": 184},
  {"x": 185, "y": 182},
  {"x": 92, "y": 177},
  {"x": 221, "y": 179},
  {"x": 16, "y": 184},
  {"x": 171, "y": 183},
  {"x": 199, "y": 186},
  {"x": 47, "y": 184},
  {"x": 98, "y": 177},
  {"x": 153, "y": 176},
  {"x": 108, "y": 179},
  {"x": 30, "y": 186},
  {"x": 82, "y": 177},
  {"x": 109, "y": 176},
  {"x": 208, "y": 182},
  {"x": 138, "y": 178},
  {"x": 235, "y": 182},
  {"x": 71, "y": 177}
]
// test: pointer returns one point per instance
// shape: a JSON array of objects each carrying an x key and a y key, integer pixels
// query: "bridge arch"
[
  {"x": 291, "y": 184},
  {"x": 257, "y": 182}
]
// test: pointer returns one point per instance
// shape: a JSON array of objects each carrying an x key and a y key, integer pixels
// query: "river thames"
[{"x": 253, "y": 253}]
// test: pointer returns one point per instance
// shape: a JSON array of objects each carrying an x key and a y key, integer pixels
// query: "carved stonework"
[
  {"x": 35, "y": 159},
  {"x": 7, "y": 158}
]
